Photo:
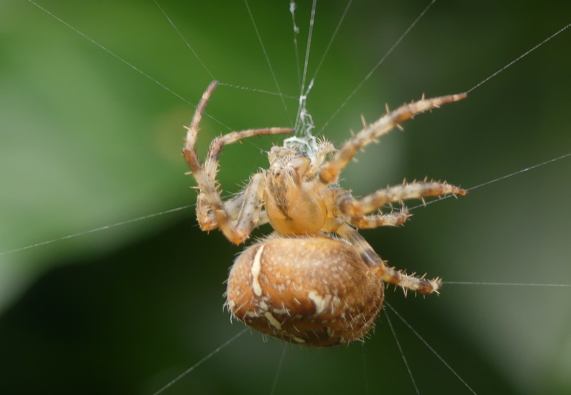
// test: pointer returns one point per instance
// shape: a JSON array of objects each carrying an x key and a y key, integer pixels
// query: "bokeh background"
[{"x": 87, "y": 141}]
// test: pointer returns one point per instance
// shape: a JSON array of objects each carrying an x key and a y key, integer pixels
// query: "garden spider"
[{"x": 315, "y": 280}]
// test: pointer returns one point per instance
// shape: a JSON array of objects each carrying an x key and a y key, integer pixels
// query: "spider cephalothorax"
[
  {"x": 296, "y": 202},
  {"x": 315, "y": 280}
]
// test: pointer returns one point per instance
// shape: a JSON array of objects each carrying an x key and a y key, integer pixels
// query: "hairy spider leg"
[
  {"x": 249, "y": 214},
  {"x": 387, "y": 273},
  {"x": 357, "y": 208},
  {"x": 212, "y": 212},
  {"x": 379, "y": 220},
  {"x": 330, "y": 171}
]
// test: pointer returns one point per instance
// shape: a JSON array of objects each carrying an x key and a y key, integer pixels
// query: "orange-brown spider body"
[
  {"x": 307, "y": 290},
  {"x": 316, "y": 280}
]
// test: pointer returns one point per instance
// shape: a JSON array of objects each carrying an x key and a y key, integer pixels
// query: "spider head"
[
  {"x": 288, "y": 164},
  {"x": 299, "y": 158}
]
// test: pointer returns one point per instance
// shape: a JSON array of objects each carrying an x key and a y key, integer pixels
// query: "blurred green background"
[{"x": 87, "y": 141}]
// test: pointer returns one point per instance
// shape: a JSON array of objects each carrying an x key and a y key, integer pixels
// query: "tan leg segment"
[
  {"x": 330, "y": 171},
  {"x": 233, "y": 207},
  {"x": 211, "y": 211},
  {"x": 209, "y": 205},
  {"x": 409, "y": 282},
  {"x": 249, "y": 215},
  {"x": 192, "y": 131},
  {"x": 211, "y": 162},
  {"x": 376, "y": 221},
  {"x": 386, "y": 273},
  {"x": 398, "y": 193}
]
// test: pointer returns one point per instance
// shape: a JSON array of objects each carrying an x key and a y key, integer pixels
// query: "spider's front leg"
[
  {"x": 357, "y": 208},
  {"x": 330, "y": 171},
  {"x": 388, "y": 274},
  {"x": 235, "y": 218}
]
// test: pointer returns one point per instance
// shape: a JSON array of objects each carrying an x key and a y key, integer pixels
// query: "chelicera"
[{"x": 315, "y": 280}]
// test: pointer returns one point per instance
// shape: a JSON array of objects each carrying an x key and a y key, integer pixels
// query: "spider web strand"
[
  {"x": 123, "y": 60},
  {"x": 295, "y": 28},
  {"x": 95, "y": 230},
  {"x": 256, "y": 90},
  {"x": 200, "y": 362},
  {"x": 431, "y": 348},
  {"x": 365, "y": 370},
  {"x": 279, "y": 369},
  {"x": 332, "y": 39},
  {"x": 497, "y": 179},
  {"x": 378, "y": 64},
  {"x": 308, "y": 45},
  {"x": 266, "y": 56},
  {"x": 402, "y": 353},
  {"x": 205, "y": 67},
  {"x": 302, "y": 91},
  {"x": 186, "y": 42},
  {"x": 508, "y": 284},
  {"x": 523, "y": 55}
]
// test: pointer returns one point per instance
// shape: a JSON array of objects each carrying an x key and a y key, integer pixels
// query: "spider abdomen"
[{"x": 308, "y": 290}]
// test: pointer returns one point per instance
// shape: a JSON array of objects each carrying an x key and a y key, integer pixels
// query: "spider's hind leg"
[{"x": 387, "y": 273}]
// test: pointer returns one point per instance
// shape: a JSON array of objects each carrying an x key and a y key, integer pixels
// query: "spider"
[{"x": 315, "y": 280}]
